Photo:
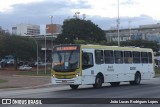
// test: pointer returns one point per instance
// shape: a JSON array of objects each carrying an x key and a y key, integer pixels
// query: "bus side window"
[
  {"x": 144, "y": 57},
  {"x": 128, "y": 57},
  {"x": 150, "y": 57},
  {"x": 108, "y": 56},
  {"x": 136, "y": 57},
  {"x": 99, "y": 59},
  {"x": 87, "y": 60},
  {"x": 118, "y": 57}
]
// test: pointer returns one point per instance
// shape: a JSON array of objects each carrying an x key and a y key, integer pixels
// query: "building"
[
  {"x": 26, "y": 30},
  {"x": 144, "y": 32},
  {"x": 2, "y": 31},
  {"x": 53, "y": 28}
]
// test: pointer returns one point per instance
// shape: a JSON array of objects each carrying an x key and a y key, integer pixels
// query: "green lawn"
[
  {"x": 34, "y": 73},
  {"x": 5, "y": 87},
  {"x": 2, "y": 81},
  {"x": 157, "y": 71}
]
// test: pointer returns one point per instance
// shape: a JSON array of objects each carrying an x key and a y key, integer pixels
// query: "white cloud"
[
  {"x": 101, "y": 12},
  {"x": 127, "y": 8},
  {"x": 6, "y": 5},
  {"x": 104, "y": 8}
]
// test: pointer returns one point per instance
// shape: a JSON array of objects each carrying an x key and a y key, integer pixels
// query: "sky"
[{"x": 103, "y": 13}]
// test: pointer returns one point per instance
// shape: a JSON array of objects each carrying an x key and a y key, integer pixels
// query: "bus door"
[
  {"x": 120, "y": 70},
  {"x": 146, "y": 60},
  {"x": 87, "y": 67}
]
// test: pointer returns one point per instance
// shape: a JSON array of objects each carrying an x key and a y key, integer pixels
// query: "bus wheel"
[
  {"x": 114, "y": 83},
  {"x": 137, "y": 79},
  {"x": 98, "y": 82},
  {"x": 74, "y": 87}
]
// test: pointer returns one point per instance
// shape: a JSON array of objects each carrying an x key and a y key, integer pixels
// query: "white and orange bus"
[{"x": 96, "y": 64}]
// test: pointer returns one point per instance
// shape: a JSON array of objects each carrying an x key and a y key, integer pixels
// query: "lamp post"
[
  {"x": 129, "y": 29},
  {"x": 76, "y": 15},
  {"x": 51, "y": 19},
  {"x": 118, "y": 23},
  {"x": 45, "y": 54},
  {"x": 52, "y": 31},
  {"x": 37, "y": 51}
]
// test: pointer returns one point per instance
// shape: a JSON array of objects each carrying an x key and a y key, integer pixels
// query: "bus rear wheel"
[
  {"x": 114, "y": 83},
  {"x": 74, "y": 87},
  {"x": 98, "y": 82},
  {"x": 137, "y": 79}
]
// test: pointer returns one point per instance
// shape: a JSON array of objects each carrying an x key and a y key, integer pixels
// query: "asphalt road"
[{"x": 147, "y": 89}]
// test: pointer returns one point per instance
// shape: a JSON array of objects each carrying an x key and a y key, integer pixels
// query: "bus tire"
[
  {"x": 98, "y": 82},
  {"x": 137, "y": 79},
  {"x": 74, "y": 87},
  {"x": 114, "y": 83}
]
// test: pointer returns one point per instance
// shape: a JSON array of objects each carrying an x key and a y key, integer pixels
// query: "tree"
[
  {"x": 20, "y": 47},
  {"x": 2, "y": 46},
  {"x": 77, "y": 29},
  {"x": 143, "y": 44},
  {"x": 137, "y": 43}
]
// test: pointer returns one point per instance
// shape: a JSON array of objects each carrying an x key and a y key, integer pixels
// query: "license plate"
[{"x": 64, "y": 81}]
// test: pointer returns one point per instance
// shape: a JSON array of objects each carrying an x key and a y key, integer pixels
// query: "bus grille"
[
  {"x": 65, "y": 81},
  {"x": 62, "y": 76}
]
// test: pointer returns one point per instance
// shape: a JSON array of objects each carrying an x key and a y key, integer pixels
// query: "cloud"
[
  {"x": 128, "y": 2},
  {"x": 6, "y": 5},
  {"x": 46, "y": 8},
  {"x": 39, "y": 13},
  {"x": 125, "y": 22}
]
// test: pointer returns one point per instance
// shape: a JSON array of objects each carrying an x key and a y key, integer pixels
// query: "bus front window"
[{"x": 65, "y": 60}]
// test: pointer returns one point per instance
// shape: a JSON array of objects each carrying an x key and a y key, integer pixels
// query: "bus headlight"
[
  {"x": 78, "y": 74},
  {"x": 53, "y": 76}
]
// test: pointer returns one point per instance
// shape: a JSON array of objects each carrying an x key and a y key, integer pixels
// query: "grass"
[
  {"x": 34, "y": 73},
  {"x": 5, "y": 87},
  {"x": 2, "y": 81},
  {"x": 157, "y": 72}
]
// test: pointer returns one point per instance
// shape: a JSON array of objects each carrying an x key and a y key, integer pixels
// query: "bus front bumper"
[{"x": 75, "y": 81}]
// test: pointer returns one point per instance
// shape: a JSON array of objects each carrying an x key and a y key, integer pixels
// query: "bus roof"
[
  {"x": 91, "y": 46},
  {"x": 116, "y": 48}
]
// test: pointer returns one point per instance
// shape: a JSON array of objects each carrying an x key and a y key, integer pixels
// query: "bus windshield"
[{"x": 65, "y": 60}]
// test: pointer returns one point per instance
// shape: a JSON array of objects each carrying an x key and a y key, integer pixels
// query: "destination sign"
[{"x": 66, "y": 48}]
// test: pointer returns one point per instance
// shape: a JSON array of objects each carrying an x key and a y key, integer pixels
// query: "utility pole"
[
  {"x": 51, "y": 19},
  {"x": 45, "y": 54},
  {"x": 118, "y": 24},
  {"x": 37, "y": 51},
  {"x": 84, "y": 16},
  {"x": 129, "y": 29}
]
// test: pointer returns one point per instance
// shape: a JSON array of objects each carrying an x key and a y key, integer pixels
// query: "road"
[{"x": 147, "y": 89}]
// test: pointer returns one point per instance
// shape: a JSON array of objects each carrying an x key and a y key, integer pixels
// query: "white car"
[
  {"x": 25, "y": 68},
  {"x": 40, "y": 64}
]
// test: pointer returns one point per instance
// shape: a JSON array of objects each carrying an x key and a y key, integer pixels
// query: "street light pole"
[
  {"x": 77, "y": 15},
  {"x": 129, "y": 29},
  {"x": 45, "y": 53},
  {"x": 37, "y": 56},
  {"x": 51, "y": 19},
  {"x": 37, "y": 52},
  {"x": 52, "y": 31},
  {"x": 118, "y": 24}
]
